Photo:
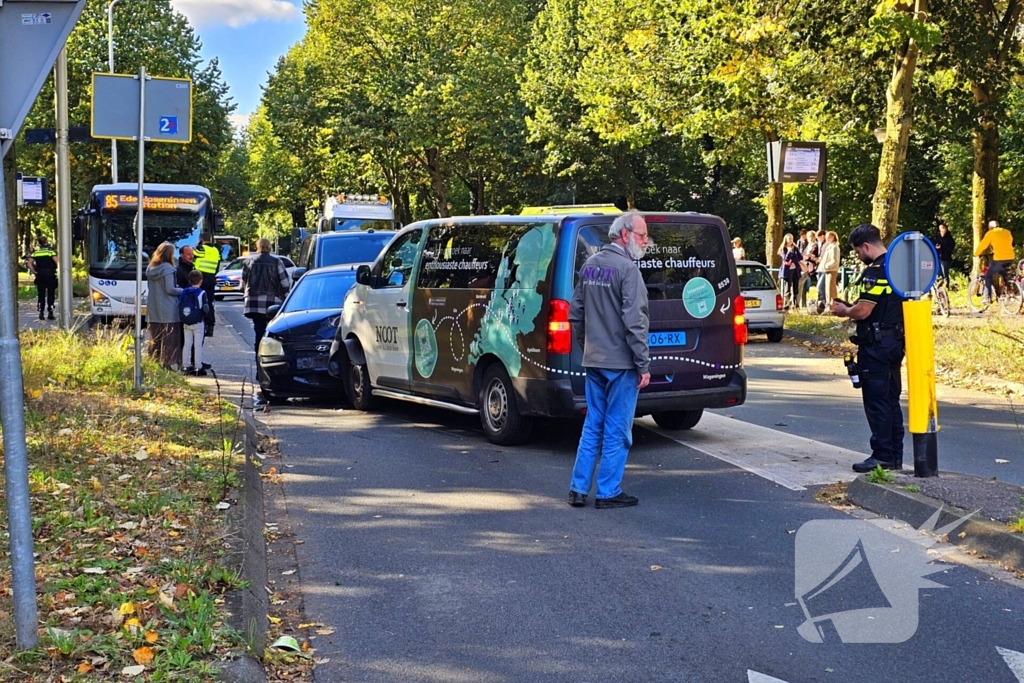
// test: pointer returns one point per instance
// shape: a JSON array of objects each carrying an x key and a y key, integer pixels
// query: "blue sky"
[{"x": 248, "y": 36}]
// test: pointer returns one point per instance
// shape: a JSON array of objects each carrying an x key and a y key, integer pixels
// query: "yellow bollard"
[{"x": 923, "y": 407}]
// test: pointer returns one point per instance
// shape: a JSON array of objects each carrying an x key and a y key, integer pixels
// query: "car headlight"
[{"x": 271, "y": 347}]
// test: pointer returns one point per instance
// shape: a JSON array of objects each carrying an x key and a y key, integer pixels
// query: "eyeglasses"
[{"x": 642, "y": 235}]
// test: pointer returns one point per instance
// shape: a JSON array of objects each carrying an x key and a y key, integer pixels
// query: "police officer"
[
  {"x": 880, "y": 346},
  {"x": 207, "y": 257},
  {"x": 43, "y": 264}
]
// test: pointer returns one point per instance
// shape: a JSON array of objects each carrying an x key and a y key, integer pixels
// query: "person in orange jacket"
[{"x": 1000, "y": 241}]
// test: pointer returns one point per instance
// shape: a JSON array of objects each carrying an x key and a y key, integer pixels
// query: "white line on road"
[
  {"x": 1014, "y": 660},
  {"x": 754, "y": 677},
  {"x": 792, "y": 461}
]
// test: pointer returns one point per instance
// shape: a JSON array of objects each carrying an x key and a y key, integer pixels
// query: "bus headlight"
[
  {"x": 271, "y": 347},
  {"x": 100, "y": 299}
]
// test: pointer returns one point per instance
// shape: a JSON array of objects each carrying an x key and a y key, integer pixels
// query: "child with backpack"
[{"x": 192, "y": 308}]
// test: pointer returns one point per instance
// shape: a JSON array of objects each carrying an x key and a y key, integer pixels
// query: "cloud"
[
  {"x": 239, "y": 121},
  {"x": 235, "y": 13}
]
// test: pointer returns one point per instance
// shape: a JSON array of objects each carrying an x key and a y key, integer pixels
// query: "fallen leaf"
[
  {"x": 84, "y": 668},
  {"x": 165, "y": 600},
  {"x": 655, "y": 567},
  {"x": 94, "y": 570},
  {"x": 289, "y": 572},
  {"x": 127, "y": 608},
  {"x": 310, "y": 624},
  {"x": 322, "y": 660},
  {"x": 132, "y": 670},
  {"x": 223, "y": 505},
  {"x": 274, "y": 620},
  {"x": 133, "y": 625},
  {"x": 962, "y": 534},
  {"x": 141, "y": 454},
  {"x": 143, "y": 655},
  {"x": 324, "y": 631},
  {"x": 151, "y": 636}
]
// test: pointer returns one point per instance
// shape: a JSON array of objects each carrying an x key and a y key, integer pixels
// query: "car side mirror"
[
  {"x": 363, "y": 275},
  {"x": 273, "y": 310}
]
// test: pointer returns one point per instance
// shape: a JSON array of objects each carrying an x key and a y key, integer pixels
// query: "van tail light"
[
  {"x": 739, "y": 321},
  {"x": 778, "y": 302},
  {"x": 559, "y": 329}
]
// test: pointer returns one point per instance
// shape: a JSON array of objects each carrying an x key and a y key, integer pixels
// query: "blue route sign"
[{"x": 169, "y": 125}]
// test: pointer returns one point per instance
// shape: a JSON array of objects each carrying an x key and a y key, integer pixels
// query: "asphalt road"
[{"x": 437, "y": 556}]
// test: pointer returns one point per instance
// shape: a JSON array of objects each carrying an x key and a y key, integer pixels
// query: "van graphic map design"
[{"x": 481, "y": 296}]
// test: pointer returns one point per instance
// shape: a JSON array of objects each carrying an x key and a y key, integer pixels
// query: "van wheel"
[
  {"x": 499, "y": 413},
  {"x": 678, "y": 419},
  {"x": 358, "y": 388},
  {"x": 775, "y": 335}
]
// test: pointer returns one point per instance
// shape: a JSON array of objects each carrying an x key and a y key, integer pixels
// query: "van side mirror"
[{"x": 363, "y": 275}]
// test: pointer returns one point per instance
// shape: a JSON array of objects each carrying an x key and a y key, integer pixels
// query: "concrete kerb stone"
[
  {"x": 991, "y": 540},
  {"x": 255, "y": 600}
]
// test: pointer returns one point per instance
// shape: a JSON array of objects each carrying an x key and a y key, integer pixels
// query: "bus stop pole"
[
  {"x": 12, "y": 416},
  {"x": 139, "y": 229}
]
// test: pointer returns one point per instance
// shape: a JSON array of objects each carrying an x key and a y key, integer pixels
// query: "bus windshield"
[{"x": 112, "y": 239}]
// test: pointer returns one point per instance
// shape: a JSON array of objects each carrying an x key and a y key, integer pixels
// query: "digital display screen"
[
  {"x": 802, "y": 160},
  {"x": 33, "y": 191}
]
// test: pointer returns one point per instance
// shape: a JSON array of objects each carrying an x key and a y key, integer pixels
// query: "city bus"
[{"x": 178, "y": 214}]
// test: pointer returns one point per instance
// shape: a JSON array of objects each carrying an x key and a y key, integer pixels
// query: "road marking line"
[
  {"x": 754, "y": 677},
  {"x": 792, "y": 461},
  {"x": 1014, "y": 660}
]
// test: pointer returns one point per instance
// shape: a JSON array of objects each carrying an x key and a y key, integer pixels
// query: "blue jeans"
[{"x": 608, "y": 428}]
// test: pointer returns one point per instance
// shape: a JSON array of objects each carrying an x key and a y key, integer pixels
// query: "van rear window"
[{"x": 679, "y": 252}]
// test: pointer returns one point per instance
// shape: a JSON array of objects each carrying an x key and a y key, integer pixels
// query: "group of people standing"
[
  {"x": 814, "y": 257},
  {"x": 179, "y": 305}
]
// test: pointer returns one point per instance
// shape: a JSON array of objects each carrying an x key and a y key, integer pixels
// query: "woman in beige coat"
[{"x": 830, "y": 260}]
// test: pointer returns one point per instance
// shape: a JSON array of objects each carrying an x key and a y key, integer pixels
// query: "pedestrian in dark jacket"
[
  {"x": 186, "y": 264},
  {"x": 790, "y": 271},
  {"x": 610, "y": 320},
  {"x": 43, "y": 264},
  {"x": 265, "y": 282},
  {"x": 945, "y": 244}
]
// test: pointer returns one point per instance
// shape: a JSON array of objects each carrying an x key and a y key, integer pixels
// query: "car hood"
[
  {"x": 298, "y": 325},
  {"x": 229, "y": 273}
]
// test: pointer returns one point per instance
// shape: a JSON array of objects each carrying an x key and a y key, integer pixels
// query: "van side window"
[
  {"x": 396, "y": 265},
  {"x": 476, "y": 256},
  {"x": 679, "y": 253}
]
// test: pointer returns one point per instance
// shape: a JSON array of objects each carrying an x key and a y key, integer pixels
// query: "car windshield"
[
  {"x": 319, "y": 290},
  {"x": 235, "y": 265},
  {"x": 754, "y": 277},
  {"x": 356, "y": 248}
]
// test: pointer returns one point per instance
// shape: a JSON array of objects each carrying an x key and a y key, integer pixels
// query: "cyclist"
[{"x": 1000, "y": 241}]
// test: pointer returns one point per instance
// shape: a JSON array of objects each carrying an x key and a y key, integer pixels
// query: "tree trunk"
[
  {"x": 11, "y": 190},
  {"x": 433, "y": 168},
  {"x": 899, "y": 114},
  {"x": 773, "y": 229},
  {"x": 985, "y": 181}
]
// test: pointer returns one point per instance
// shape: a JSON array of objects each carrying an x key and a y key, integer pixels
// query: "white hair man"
[{"x": 610, "y": 319}]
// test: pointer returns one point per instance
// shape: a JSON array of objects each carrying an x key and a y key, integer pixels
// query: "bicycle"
[
  {"x": 1008, "y": 292},
  {"x": 940, "y": 296}
]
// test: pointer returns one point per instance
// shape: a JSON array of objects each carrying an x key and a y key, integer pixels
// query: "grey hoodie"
[
  {"x": 162, "y": 295},
  {"x": 609, "y": 313}
]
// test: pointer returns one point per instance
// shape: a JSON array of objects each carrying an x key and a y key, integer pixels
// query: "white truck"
[{"x": 357, "y": 212}]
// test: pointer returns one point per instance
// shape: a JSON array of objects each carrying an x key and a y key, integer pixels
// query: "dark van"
[{"x": 472, "y": 314}]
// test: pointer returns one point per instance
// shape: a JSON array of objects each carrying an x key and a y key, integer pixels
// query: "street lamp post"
[{"x": 110, "y": 68}]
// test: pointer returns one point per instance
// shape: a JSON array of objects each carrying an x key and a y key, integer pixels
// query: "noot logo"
[{"x": 859, "y": 583}]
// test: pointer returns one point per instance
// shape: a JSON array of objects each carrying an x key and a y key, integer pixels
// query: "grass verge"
[
  {"x": 970, "y": 352},
  {"x": 127, "y": 537}
]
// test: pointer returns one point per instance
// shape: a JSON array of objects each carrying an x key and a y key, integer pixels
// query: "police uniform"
[
  {"x": 881, "y": 345},
  {"x": 206, "y": 259},
  {"x": 44, "y": 262}
]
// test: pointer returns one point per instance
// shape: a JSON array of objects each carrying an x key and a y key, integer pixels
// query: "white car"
[
  {"x": 229, "y": 278},
  {"x": 765, "y": 312}
]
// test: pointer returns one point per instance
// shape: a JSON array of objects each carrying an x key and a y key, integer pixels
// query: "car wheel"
[
  {"x": 678, "y": 419},
  {"x": 499, "y": 412},
  {"x": 358, "y": 388},
  {"x": 775, "y": 335}
]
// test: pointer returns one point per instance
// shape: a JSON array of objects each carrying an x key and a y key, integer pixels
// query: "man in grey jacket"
[{"x": 610, "y": 319}]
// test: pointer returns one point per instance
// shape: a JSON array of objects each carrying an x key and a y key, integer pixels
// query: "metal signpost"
[
  {"x": 791, "y": 161},
  {"x": 911, "y": 267},
  {"x": 31, "y": 36},
  {"x": 143, "y": 108}
]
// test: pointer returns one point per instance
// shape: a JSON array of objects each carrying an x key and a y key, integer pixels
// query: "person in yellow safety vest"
[
  {"x": 207, "y": 259},
  {"x": 1000, "y": 241},
  {"x": 43, "y": 264}
]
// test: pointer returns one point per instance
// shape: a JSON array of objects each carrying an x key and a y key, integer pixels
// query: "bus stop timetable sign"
[
  {"x": 911, "y": 265},
  {"x": 115, "y": 108}
]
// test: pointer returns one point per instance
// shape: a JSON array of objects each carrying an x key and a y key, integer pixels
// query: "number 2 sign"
[{"x": 168, "y": 125}]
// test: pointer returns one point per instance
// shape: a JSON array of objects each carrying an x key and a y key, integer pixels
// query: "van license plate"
[
  {"x": 666, "y": 339},
  {"x": 753, "y": 303}
]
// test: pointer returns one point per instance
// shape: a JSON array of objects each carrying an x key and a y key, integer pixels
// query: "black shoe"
[
  {"x": 899, "y": 465},
  {"x": 622, "y": 500},
  {"x": 577, "y": 500},
  {"x": 871, "y": 463},
  {"x": 50, "y": 316},
  {"x": 200, "y": 373},
  {"x": 205, "y": 366},
  {"x": 41, "y": 316}
]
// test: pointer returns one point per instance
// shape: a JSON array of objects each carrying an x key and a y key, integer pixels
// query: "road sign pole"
[
  {"x": 139, "y": 229},
  {"x": 12, "y": 410},
  {"x": 63, "y": 190}
]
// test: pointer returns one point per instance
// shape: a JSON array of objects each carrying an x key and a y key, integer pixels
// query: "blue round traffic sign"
[{"x": 911, "y": 265}]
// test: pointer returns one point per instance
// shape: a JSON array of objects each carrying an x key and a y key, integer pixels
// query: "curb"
[{"x": 987, "y": 539}]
